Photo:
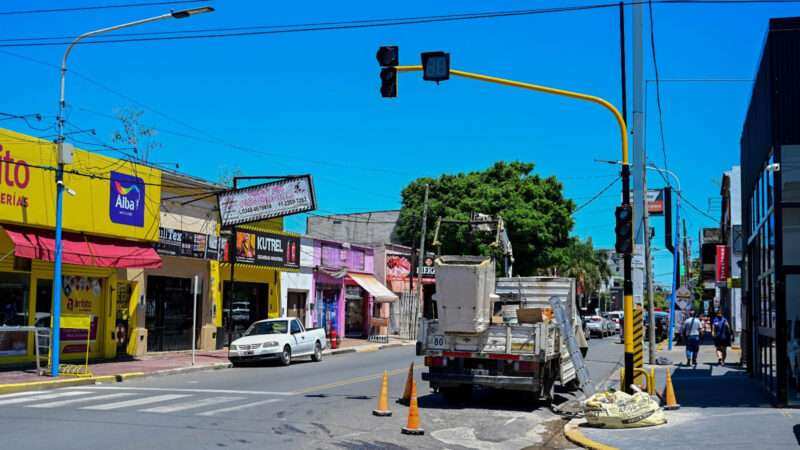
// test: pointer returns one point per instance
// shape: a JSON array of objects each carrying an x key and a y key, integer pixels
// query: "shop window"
[
  {"x": 790, "y": 173},
  {"x": 22, "y": 264},
  {"x": 331, "y": 256},
  {"x": 358, "y": 259},
  {"x": 791, "y": 236},
  {"x": 793, "y": 335},
  {"x": 14, "y": 290}
]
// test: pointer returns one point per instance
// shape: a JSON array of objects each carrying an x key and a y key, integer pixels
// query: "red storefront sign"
[{"x": 723, "y": 263}]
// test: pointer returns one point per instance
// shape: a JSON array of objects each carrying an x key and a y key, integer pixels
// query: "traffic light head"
[
  {"x": 624, "y": 229},
  {"x": 388, "y": 82},
  {"x": 388, "y": 56},
  {"x": 435, "y": 66}
]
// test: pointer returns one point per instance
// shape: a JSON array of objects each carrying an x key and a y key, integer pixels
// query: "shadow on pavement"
[
  {"x": 712, "y": 386},
  {"x": 489, "y": 399}
]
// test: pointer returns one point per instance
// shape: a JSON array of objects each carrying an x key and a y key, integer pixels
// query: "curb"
[
  {"x": 44, "y": 385},
  {"x": 573, "y": 433}
]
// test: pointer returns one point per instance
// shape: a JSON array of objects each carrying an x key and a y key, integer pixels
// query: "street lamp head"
[{"x": 184, "y": 13}]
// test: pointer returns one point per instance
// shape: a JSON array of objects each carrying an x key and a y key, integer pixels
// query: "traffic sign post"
[{"x": 433, "y": 69}]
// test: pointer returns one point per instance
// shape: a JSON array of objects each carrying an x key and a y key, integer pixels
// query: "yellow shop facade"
[{"x": 110, "y": 222}]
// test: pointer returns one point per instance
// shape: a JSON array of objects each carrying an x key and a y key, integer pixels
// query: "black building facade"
[{"x": 770, "y": 162}]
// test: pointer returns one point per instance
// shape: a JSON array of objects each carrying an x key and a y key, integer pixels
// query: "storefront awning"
[
  {"x": 83, "y": 250},
  {"x": 375, "y": 288}
]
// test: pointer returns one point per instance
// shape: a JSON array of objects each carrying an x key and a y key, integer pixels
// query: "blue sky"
[{"x": 309, "y": 102}]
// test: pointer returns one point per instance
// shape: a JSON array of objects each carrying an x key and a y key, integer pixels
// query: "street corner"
[{"x": 497, "y": 430}]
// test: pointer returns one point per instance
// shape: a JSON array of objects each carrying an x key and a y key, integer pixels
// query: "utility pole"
[
  {"x": 64, "y": 157},
  {"x": 639, "y": 153},
  {"x": 421, "y": 258},
  {"x": 651, "y": 309}
]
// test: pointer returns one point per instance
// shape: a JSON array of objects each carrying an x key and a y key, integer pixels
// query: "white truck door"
[{"x": 301, "y": 345}]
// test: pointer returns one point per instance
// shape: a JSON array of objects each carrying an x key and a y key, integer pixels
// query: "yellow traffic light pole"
[{"x": 623, "y": 129}]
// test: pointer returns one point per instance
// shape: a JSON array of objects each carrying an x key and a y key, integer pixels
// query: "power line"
[
  {"x": 97, "y": 7},
  {"x": 596, "y": 196},
  {"x": 370, "y": 23},
  {"x": 260, "y": 30}
]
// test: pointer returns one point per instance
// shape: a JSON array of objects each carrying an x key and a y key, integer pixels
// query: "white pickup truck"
[{"x": 282, "y": 339}]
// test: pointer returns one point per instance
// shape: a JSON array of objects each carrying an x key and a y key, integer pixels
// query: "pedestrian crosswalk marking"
[
  {"x": 191, "y": 391},
  {"x": 135, "y": 402},
  {"x": 238, "y": 407},
  {"x": 21, "y": 394},
  {"x": 191, "y": 405},
  {"x": 59, "y": 403},
  {"x": 38, "y": 396}
]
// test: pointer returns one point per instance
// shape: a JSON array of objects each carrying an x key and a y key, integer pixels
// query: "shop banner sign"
[
  {"x": 292, "y": 195},
  {"x": 398, "y": 267},
  {"x": 172, "y": 242},
  {"x": 267, "y": 249},
  {"x": 722, "y": 261},
  {"x": 428, "y": 268},
  {"x": 655, "y": 202}
]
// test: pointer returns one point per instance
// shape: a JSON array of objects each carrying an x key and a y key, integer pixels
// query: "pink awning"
[{"x": 83, "y": 250}]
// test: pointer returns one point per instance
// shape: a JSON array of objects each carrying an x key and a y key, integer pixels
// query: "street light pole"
[{"x": 55, "y": 351}]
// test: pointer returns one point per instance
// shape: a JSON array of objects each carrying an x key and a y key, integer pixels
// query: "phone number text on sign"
[{"x": 266, "y": 201}]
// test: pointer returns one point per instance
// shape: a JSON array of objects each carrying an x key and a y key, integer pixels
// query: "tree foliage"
[
  {"x": 588, "y": 266},
  {"x": 537, "y": 216}
]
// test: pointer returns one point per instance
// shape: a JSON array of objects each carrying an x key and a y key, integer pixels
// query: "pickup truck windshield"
[{"x": 276, "y": 327}]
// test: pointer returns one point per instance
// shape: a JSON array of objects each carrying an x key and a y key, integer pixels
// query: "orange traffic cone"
[
  {"x": 412, "y": 427},
  {"x": 383, "y": 398},
  {"x": 407, "y": 391},
  {"x": 670, "y": 403}
]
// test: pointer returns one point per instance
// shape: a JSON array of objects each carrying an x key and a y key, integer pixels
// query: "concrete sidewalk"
[
  {"x": 156, "y": 364},
  {"x": 721, "y": 407}
]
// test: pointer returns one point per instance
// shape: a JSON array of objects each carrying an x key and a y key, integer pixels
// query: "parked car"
[
  {"x": 599, "y": 326},
  {"x": 616, "y": 317},
  {"x": 278, "y": 339}
]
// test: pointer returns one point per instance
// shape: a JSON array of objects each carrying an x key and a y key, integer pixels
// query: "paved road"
[{"x": 307, "y": 405}]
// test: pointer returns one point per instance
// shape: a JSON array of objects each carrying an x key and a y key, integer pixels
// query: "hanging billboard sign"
[
  {"x": 655, "y": 202},
  {"x": 428, "y": 267},
  {"x": 266, "y": 249},
  {"x": 722, "y": 264},
  {"x": 172, "y": 242},
  {"x": 287, "y": 196}
]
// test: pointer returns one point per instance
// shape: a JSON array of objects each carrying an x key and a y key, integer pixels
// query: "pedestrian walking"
[
  {"x": 692, "y": 329},
  {"x": 722, "y": 337}
]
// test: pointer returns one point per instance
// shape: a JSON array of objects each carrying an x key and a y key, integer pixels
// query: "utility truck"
[{"x": 497, "y": 333}]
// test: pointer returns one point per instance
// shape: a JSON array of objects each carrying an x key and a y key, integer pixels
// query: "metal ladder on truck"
[{"x": 584, "y": 381}]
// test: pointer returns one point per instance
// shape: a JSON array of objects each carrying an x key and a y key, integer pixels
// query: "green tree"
[
  {"x": 579, "y": 260},
  {"x": 536, "y": 214}
]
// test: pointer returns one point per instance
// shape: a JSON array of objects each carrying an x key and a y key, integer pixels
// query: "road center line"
[{"x": 351, "y": 381}]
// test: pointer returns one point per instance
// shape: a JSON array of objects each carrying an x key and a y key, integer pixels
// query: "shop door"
[
  {"x": 296, "y": 306},
  {"x": 168, "y": 317},
  {"x": 248, "y": 305},
  {"x": 354, "y": 312}
]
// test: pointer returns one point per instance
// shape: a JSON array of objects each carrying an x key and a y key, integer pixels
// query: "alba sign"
[{"x": 285, "y": 197}]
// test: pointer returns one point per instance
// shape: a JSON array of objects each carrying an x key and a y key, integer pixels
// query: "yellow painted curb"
[
  {"x": 128, "y": 376},
  {"x": 43, "y": 385},
  {"x": 573, "y": 433},
  {"x": 105, "y": 379}
]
